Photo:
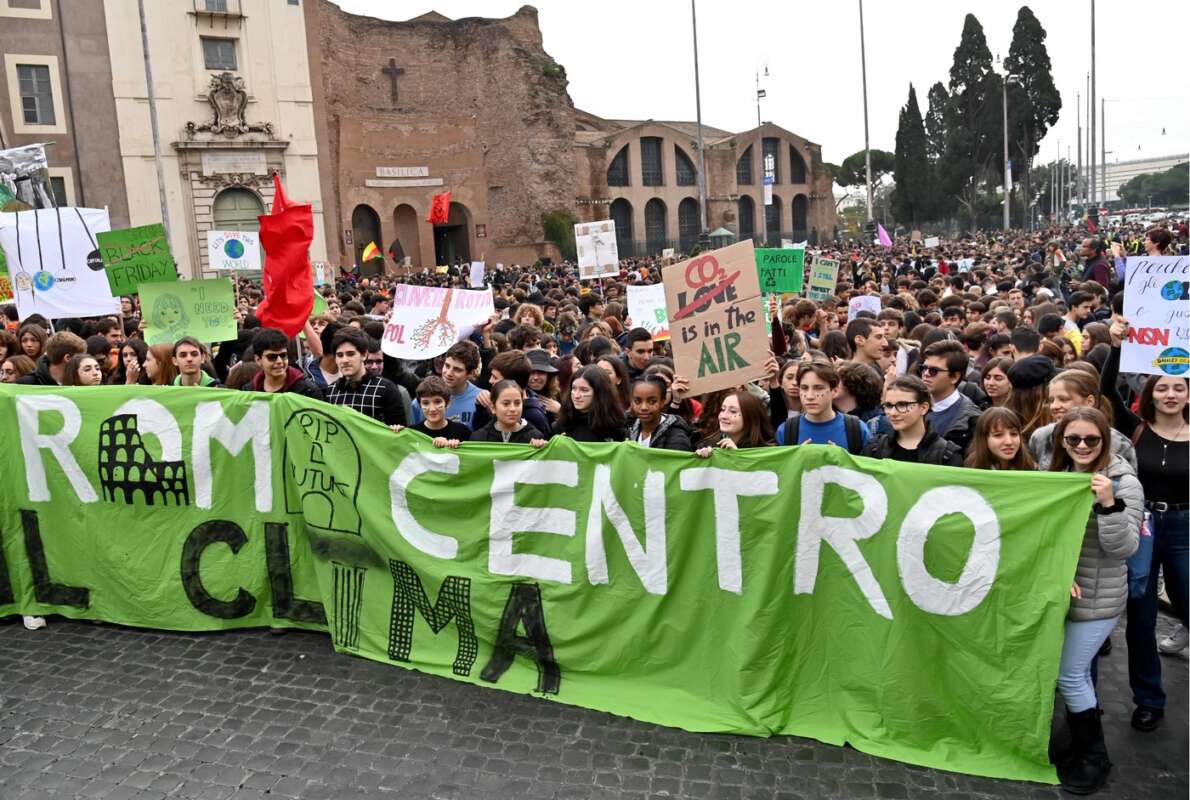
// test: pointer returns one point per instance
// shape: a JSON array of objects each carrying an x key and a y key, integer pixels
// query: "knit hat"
[{"x": 1030, "y": 371}]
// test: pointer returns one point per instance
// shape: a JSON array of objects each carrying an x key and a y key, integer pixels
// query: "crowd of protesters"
[{"x": 994, "y": 352}]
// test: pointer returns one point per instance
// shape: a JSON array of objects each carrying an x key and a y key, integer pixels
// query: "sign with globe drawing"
[{"x": 233, "y": 250}]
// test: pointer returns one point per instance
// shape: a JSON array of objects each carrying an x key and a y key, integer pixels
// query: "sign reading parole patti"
[
  {"x": 1157, "y": 306},
  {"x": 793, "y": 590},
  {"x": 202, "y": 309},
  {"x": 780, "y": 271},
  {"x": 136, "y": 255},
  {"x": 598, "y": 253},
  {"x": 715, "y": 319},
  {"x": 427, "y": 320}
]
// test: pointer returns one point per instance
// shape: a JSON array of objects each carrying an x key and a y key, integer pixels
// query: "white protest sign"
[
  {"x": 787, "y": 244},
  {"x": 931, "y": 241},
  {"x": 598, "y": 254},
  {"x": 427, "y": 320},
  {"x": 965, "y": 264},
  {"x": 1157, "y": 306},
  {"x": 667, "y": 252},
  {"x": 319, "y": 274},
  {"x": 233, "y": 250},
  {"x": 55, "y": 264},
  {"x": 864, "y": 302},
  {"x": 477, "y": 268},
  {"x": 646, "y": 307}
]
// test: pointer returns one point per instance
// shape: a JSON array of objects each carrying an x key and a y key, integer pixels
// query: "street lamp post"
[
  {"x": 704, "y": 240},
  {"x": 863, "y": 60},
  {"x": 1007, "y": 163}
]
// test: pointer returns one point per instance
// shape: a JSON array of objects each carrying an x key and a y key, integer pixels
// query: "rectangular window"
[
  {"x": 37, "y": 98},
  {"x": 58, "y": 190},
  {"x": 219, "y": 54},
  {"x": 650, "y": 161},
  {"x": 217, "y": 6},
  {"x": 28, "y": 5}
]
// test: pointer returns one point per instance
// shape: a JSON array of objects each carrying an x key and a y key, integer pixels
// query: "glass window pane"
[
  {"x": 650, "y": 161},
  {"x": 743, "y": 168}
]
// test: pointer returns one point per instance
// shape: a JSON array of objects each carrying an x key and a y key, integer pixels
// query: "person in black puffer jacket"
[{"x": 652, "y": 427}]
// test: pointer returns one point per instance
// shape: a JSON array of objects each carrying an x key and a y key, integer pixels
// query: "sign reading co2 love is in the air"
[
  {"x": 233, "y": 250},
  {"x": 1157, "y": 305}
]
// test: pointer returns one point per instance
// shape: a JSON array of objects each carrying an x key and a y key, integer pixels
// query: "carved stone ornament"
[
  {"x": 228, "y": 101},
  {"x": 225, "y": 180}
]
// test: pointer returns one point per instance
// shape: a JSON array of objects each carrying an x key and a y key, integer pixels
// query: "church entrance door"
[{"x": 452, "y": 240}]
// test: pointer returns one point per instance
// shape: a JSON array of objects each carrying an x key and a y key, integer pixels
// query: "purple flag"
[{"x": 882, "y": 236}]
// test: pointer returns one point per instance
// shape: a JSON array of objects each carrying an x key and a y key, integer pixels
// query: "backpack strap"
[
  {"x": 855, "y": 439},
  {"x": 793, "y": 428}
]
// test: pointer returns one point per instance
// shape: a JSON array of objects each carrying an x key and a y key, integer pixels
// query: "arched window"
[
  {"x": 772, "y": 164},
  {"x": 621, "y": 214},
  {"x": 687, "y": 175},
  {"x": 743, "y": 168},
  {"x": 747, "y": 216},
  {"x": 797, "y": 166},
  {"x": 772, "y": 222},
  {"x": 801, "y": 214},
  {"x": 651, "y": 171},
  {"x": 618, "y": 172},
  {"x": 655, "y": 226},
  {"x": 689, "y": 224},
  {"x": 237, "y": 209},
  {"x": 365, "y": 228}
]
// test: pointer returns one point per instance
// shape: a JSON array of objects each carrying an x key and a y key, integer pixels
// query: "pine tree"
[
  {"x": 911, "y": 173},
  {"x": 973, "y": 129},
  {"x": 1033, "y": 100}
]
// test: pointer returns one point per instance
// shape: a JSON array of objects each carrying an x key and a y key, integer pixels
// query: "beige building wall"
[{"x": 271, "y": 60}]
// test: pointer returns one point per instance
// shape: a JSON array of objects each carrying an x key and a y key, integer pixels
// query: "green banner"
[
  {"x": 134, "y": 256},
  {"x": 915, "y": 612},
  {"x": 780, "y": 269},
  {"x": 5, "y": 279},
  {"x": 202, "y": 309}
]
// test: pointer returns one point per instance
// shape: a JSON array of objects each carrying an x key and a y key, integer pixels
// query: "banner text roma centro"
[{"x": 915, "y": 612}]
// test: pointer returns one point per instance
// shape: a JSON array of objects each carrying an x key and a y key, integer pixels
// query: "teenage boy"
[
  {"x": 370, "y": 395},
  {"x": 819, "y": 423},
  {"x": 271, "y": 352},
  {"x": 189, "y": 356},
  {"x": 459, "y": 366},
  {"x": 433, "y": 398},
  {"x": 952, "y": 414},
  {"x": 868, "y": 341},
  {"x": 1080, "y": 308},
  {"x": 639, "y": 351}
]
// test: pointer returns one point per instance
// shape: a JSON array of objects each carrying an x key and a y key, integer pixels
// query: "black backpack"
[{"x": 851, "y": 423}]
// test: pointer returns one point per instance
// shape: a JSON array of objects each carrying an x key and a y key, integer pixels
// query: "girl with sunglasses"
[
  {"x": 906, "y": 403},
  {"x": 1100, "y": 590}
]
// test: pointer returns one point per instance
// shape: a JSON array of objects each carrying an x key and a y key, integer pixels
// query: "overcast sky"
[{"x": 634, "y": 59}]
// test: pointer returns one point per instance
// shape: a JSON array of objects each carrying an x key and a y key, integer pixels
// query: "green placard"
[
  {"x": 915, "y": 612},
  {"x": 134, "y": 256},
  {"x": 202, "y": 309},
  {"x": 780, "y": 269},
  {"x": 5, "y": 279}
]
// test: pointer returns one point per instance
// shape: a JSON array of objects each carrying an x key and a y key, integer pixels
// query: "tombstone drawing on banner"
[{"x": 326, "y": 499}]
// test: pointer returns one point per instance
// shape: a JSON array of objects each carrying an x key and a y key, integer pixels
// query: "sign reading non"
[
  {"x": 134, "y": 256},
  {"x": 1157, "y": 306}
]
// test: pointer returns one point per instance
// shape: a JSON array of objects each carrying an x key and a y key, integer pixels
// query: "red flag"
[
  {"x": 288, "y": 280},
  {"x": 439, "y": 209},
  {"x": 1091, "y": 226}
]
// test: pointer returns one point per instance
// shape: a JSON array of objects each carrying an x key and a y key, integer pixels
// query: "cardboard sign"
[
  {"x": 54, "y": 262},
  {"x": 865, "y": 302},
  {"x": 598, "y": 253},
  {"x": 824, "y": 277},
  {"x": 931, "y": 241},
  {"x": 427, "y": 320},
  {"x": 136, "y": 255},
  {"x": 780, "y": 271},
  {"x": 1157, "y": 306},
  {"x": 477, "y": 269},
  {"x": 202, "y": 309},
  {"x": 233, "y": 250},
  {"x": 915, "y": 236},
  {"x": 646, "y": 307},
  {"x": 716, "y": 319}
]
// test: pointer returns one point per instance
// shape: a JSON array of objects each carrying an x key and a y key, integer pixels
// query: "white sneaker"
[
  {"x": 33, "y": 623},
  {"x": 1176, "y": 642}
]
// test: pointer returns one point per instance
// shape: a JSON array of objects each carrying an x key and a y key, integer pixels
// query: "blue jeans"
[
  {"x": 1170, "y": 551},
  {"x": 1082, "y": 642}
]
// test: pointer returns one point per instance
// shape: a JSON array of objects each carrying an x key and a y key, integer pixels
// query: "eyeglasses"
[
  {"x": 1078, "y": 441},
  {"x": 275, "y": 356},
  {"x": 900, "y": 408},
  {"x": 933, "y": 371}
]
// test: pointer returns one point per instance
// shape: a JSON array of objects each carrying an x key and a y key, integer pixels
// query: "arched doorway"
[
  {"x": 772, "y": 223},
  {"x": 747, "y": 216},
  {"x": 406, "y": 231},
  {"x": 656, "y": 222},
  {"x": 689, "y": 225},
  {"x": 452, "y": 240},
  {"x": 801, "y": 213},
  {"x": 365, "y": 228},
  {"x": 621, "y": 214}
]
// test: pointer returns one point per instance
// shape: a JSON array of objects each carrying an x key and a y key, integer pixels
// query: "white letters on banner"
[
  {"x": 233, "y": 250},
  {"x": 427, "y": 320},
  {"x": 1157, "y": 306}
]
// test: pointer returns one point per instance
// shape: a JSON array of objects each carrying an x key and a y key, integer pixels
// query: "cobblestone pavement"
[{"x": 98, "y": 711}]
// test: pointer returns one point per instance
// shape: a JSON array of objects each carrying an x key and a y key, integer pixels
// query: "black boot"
[{"x": 1085, "y": 770}]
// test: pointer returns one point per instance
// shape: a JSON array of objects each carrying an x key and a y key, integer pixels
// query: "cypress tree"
[{"x": 912, "y": 170}]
